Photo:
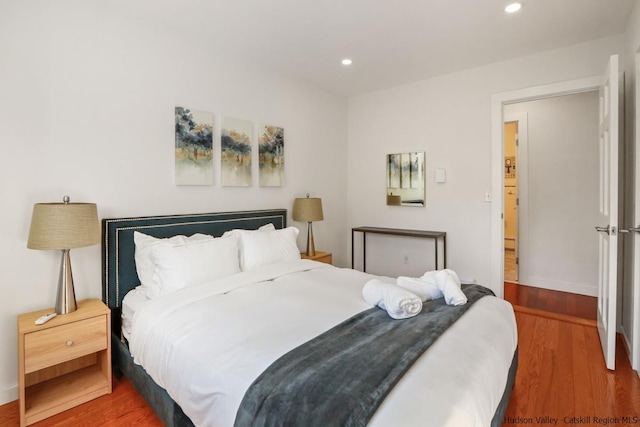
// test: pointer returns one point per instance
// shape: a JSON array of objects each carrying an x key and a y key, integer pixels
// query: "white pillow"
[
  {"x": 267, "y": 247},
  {"x": 193, "y": 263},
  {"x": 267, "y": 227},
  {"x": 143, "y": 245},
  {"x": 237, "y": 231}
]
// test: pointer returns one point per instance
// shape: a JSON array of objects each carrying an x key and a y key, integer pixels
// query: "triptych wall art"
[{"x": 195, "y": 157}]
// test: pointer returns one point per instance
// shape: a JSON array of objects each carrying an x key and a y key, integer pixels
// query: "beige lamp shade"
[
  {"x": 63, "y": 226},
  {"x": 307, "y": 209}
]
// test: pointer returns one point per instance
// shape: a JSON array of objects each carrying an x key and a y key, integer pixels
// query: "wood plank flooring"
[
  {"x": 561, "y": 374},
  {"x": 510, "y": 271},
  {"x": 565, "y": 303},
  {"x": 122, "y": 408}
]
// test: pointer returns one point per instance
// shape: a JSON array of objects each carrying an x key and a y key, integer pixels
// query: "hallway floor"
[
  {"x": 510, "y": 273},
  {"x": 547, "y": 300}
]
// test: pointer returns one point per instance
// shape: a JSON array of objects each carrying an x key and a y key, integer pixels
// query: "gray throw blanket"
[{"x": 341, "y": 377}]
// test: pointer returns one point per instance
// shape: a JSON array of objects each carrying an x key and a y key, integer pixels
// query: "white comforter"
[{"x": 206, "y": 344}]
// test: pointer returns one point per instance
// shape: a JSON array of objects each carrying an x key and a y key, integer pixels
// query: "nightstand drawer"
[{"x": 65, "y": 342}]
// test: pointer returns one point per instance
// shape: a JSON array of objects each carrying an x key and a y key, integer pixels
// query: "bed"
[{"x": 197, "y": 350}]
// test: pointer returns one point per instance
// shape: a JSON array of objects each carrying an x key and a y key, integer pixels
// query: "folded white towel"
[
  {"x": 449, "y": 283},
  {"x": 426, "y": 289},
  {"x": 454, "y": 275},
  {"x": 399, "y": 302},
  {"x": 435, "y": 284}
]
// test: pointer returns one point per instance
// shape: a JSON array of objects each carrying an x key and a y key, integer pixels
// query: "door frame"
[{"x": 498, "y": 100}]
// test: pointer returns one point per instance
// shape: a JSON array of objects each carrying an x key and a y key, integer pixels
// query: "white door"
[
  {"x": 608, "y": 227},
  {"x": 635, "y": 350},
  {"x": 635, "y": 232}
]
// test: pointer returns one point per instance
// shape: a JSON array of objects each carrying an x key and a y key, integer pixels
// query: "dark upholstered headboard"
[{"x": 118, "y": 249}]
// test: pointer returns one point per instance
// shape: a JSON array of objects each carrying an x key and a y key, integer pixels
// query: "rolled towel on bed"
[
  {"x": 432, "y": 285},
  {"x": 399, "y": 302},
  {"x": 425, "y": 289},
  {"x": 435, "y": 284},
  {"x": 449, "y": 283},
  {"x": 454, "y": 275}
]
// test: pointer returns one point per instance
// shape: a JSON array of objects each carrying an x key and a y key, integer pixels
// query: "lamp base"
[
  {"x": 311, "y": 248},
  {"x": 66, "y": 297}
]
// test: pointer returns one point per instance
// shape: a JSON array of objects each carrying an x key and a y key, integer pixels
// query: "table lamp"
[
  {"x": 64, "y": 226},
  {"x": 308, "y": 209}
]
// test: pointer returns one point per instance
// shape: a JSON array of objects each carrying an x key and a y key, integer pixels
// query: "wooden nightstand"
[
  {"x": 65, "y": 362},
  {"x": 319, "y": 256}
]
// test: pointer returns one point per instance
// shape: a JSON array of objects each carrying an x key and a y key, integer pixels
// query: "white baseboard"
[
  {"x": 574, "y": 288},
  {"x": 8, "y": 395}
]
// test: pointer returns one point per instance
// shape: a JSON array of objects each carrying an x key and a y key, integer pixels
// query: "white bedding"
[
  {"x": 135, "y": 298},
  {"x": 206, "y": 344}
]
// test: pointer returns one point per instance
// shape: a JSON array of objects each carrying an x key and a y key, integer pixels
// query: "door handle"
[{"x": 603, "y": 229}]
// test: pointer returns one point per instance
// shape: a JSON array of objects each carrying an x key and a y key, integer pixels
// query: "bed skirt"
[{"x": 171, "y": 414}]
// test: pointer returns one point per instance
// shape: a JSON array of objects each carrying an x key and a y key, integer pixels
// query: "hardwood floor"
[
  {"x": 510, "y": 272},
  {"x": 123, "y": 407},
  {"x": 563, "y": 303},
  {"x": 561, "y": 374}
]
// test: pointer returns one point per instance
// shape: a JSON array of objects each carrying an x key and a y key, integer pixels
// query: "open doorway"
[
  {"x": 511, "y": 201},
  {"x": 501, "y": 104},
  {"x": 557, "y": 199},
  {"x": 609, "y": 91}
]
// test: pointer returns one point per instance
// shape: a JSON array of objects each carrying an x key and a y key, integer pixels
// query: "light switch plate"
[{"x": 441, "y": 175}]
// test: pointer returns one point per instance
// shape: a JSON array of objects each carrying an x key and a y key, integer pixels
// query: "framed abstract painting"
[
  {"x": 270, "y": 156},
  {"x": 235, "y": 156},
  {"x": 193, "y": 147}
]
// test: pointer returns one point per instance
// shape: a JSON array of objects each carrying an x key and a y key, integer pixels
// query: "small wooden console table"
[{"x": 435, "y": 235}]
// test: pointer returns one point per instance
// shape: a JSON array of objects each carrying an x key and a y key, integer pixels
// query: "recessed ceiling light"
[
  {"x": 347, "y": 61},
  {"x": 513, "y": 7}
]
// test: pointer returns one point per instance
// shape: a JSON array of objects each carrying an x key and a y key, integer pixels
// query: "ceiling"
[{"x": 391, "y": 42}]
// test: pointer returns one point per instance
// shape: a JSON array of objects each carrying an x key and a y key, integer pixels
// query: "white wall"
[
  {"x": 87, "y": 109},
  {"x": 448, "y": 117},
  {"x": 561, "y": 251}
]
